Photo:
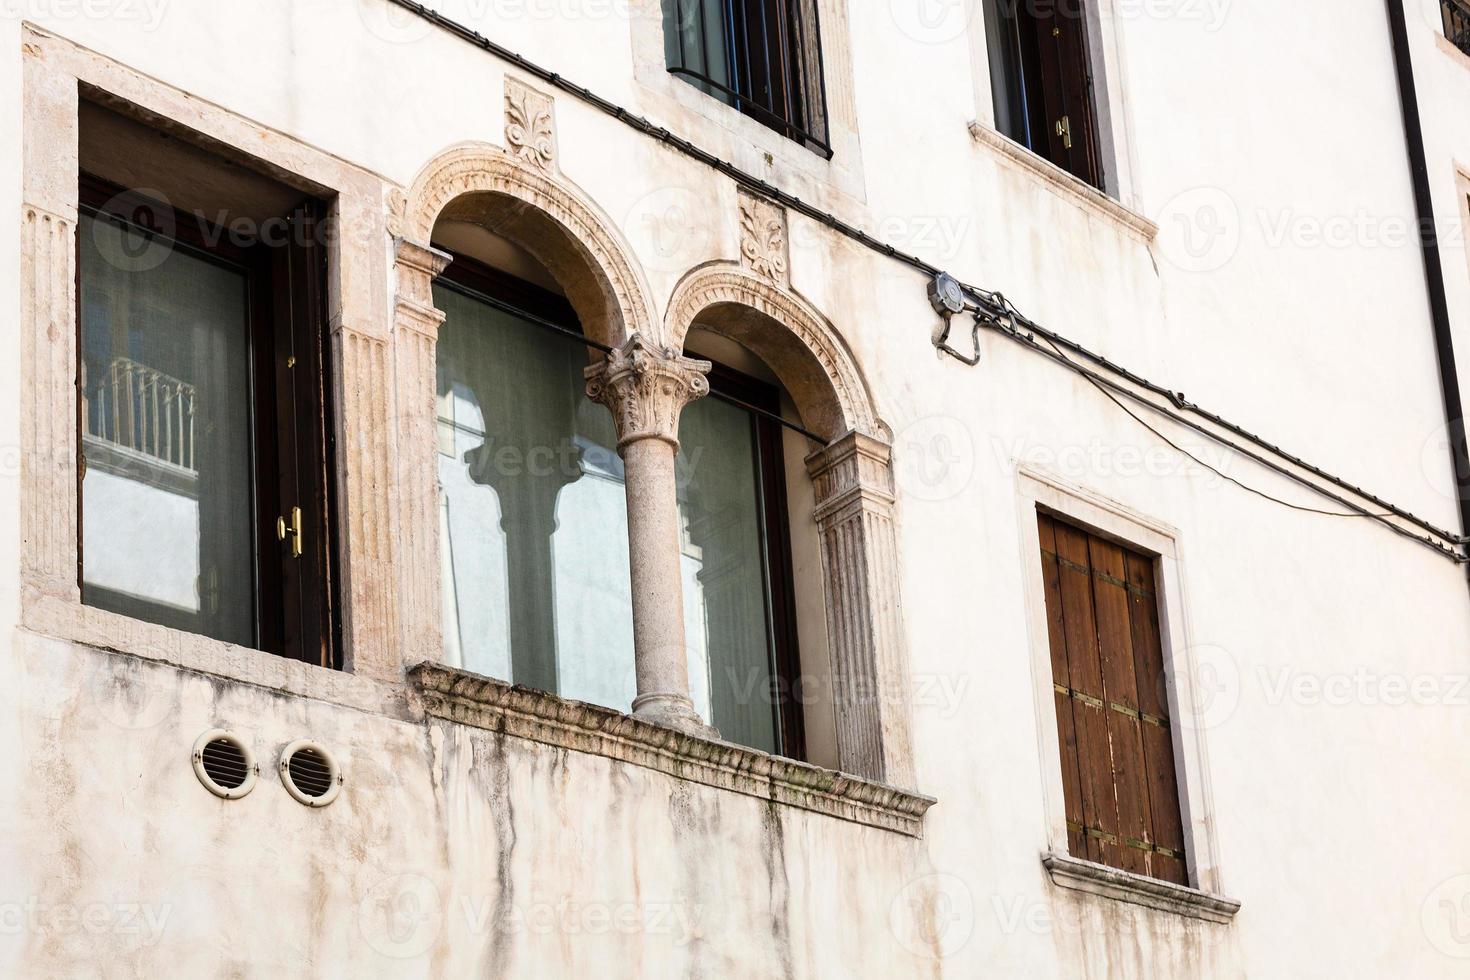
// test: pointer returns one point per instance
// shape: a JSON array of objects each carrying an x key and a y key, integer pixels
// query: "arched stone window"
[
  {"x": 646, "y": 381},
  {"x": 479, "y": 186},
  {"x": 851, "y": 500}
]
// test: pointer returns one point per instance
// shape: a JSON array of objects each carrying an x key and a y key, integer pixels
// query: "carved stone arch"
[
  {"x": 530, "y": 206},
  {"x": 853, "y": 492},
  {"x": 795, "y": 341},
  {"x": 483, "y": 184}
]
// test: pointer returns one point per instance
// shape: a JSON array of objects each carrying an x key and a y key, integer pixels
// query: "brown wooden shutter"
[{"x": 1118, "y": 774}]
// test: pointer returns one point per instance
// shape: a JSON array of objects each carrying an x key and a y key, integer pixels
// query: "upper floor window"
[
  {"x": 763, "y": 57},
  {"x": 1042, "y": 81},
  {"x": 1456, "y": 14},
  {"x": 1119, "y": 781},
  {"x": 534, "y": 528},
  {"x": 204, "y": 502}
]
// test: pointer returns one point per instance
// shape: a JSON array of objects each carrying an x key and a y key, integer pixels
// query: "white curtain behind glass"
[
  {"x": 725, "y": 600},
  {"x": 535, "y": 548},
  {"x": 168, "y": 523}
]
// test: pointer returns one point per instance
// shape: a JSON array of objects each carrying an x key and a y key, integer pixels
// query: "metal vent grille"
[
  {"x": 224, "y": 764},
  {"x": 310, "y": 774}
]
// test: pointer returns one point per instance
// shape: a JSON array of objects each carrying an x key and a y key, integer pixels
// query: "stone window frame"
[
  {"x": 1038, "y": 489},
  {"x": 56, "y": 75},
  {"x": 852, "y": 477},
  {"x": 381, "y": 345},
  {"x": 1122, "y": 200},
  {"x": 732, "y": 135},
  {"x": 853, "y": 490}
]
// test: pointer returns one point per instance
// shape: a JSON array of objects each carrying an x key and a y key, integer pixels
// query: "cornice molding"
[{"x": 464, "y": 698}]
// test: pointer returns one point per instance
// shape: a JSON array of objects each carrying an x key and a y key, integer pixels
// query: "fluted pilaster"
[{"x": 853, "y": 485}]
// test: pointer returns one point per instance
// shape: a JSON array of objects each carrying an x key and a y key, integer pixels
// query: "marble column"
[{"x": 646, "y": 389}]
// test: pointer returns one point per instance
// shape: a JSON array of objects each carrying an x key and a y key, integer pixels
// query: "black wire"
[
  {"x": 581, "y": 338},
  {"x": 1178, "y": 400},
  {"x": 829, "y": 220},
  {"x": 1221, "y": 474},
  {"x": 1427, "y": 541}
]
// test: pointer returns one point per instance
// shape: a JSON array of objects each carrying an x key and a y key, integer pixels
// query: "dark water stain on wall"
[
  {"x": 773, "y": 853},
  {"x": 490, "y": 770}
]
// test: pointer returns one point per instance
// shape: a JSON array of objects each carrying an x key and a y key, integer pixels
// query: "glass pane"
[
  {"x": 694, "y": 38},
  {"x": 533, "y": 519},
  {"x": 1008, "y": 93},
  {"x": 168, "y": 506},
  {"x": 725, "y": 610}
]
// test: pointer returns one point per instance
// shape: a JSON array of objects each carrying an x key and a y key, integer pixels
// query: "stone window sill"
[
  {"x": 1064, "y": 184},
  {"x": 1449, "y": 48},
  {"x": 65, "y": 620},
  {"x": 465, "y": 698},
  {"x": 1125, "y": 886}
]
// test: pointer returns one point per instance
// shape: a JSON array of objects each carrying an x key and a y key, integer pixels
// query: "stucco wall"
[{"x": 455, "y": 853}]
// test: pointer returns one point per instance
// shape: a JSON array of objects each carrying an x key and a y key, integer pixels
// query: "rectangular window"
[
  {"x": 1041, "y": 78},
  {"x": 204, "y": 459},
  {"x": 763, "y": 57},
  {"x": 1118, "y": 776},
  {"x": 533, "y": 520},
  {"x": 1456, "y": 14}
]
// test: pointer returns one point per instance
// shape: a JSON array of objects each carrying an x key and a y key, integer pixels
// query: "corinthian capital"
[{"x": 646, "y": 388}]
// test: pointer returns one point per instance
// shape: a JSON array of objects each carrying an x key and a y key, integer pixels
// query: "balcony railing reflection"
[{"x": 142, "y": 409}]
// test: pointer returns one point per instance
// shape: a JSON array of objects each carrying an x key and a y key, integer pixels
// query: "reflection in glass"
[
  {"x": 167, "y": 499},
  {"x": 726, "y": 611},
  {"x": 535, "y": 534}
]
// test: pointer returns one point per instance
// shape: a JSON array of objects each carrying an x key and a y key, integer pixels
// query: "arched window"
[
  {"x": 533, "y": 527},
  {"x": 707, "y": 545}
]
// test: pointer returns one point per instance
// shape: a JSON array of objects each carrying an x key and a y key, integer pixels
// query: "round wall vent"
[
  {"x": 224, "y": 764},
  {"x": 310, "y": 774}
]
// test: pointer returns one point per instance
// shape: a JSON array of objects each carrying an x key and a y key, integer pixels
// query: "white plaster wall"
[{"x": 1326, "y": 814}]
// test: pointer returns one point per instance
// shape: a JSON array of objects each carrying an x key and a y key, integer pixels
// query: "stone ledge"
[
  {"x": 1449, "y": 48},
  {"x": 64, "y": 620},
  {"x": 1064, "y": 184},
  {"x": 469, "y": 699},
  {"x": 1125, "y": 886}
]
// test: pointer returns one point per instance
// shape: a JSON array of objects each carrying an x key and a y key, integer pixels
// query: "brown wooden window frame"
[
  {"x": 1044, "y": 91},
  {"x": 478, "y": 280},
  {"x": 295, "y": 597},
  {"x": 1121, "y": 786}
]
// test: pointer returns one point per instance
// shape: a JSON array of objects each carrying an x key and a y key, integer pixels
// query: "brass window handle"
[
  {"x": 1064, "y": 130},
  {"x": 294, "y": 531}
]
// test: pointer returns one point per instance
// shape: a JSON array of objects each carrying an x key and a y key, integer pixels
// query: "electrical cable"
[
  {"x": 1427, "y": 541},
  {"x": 568, "y": 333},
  {"x": 1213, "y": 469},
  {"x": 993, "y": 299}
]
